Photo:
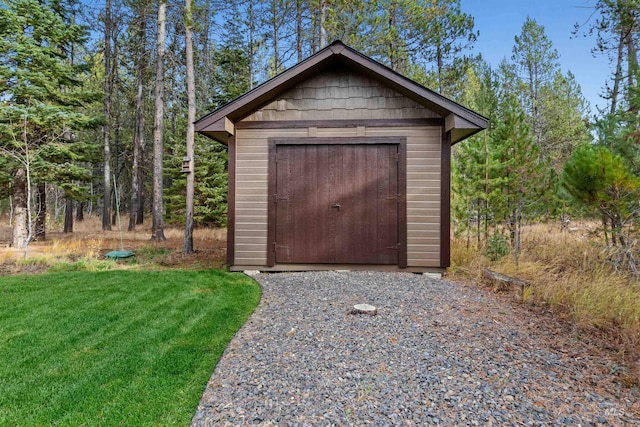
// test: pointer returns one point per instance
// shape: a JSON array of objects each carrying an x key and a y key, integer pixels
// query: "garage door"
[{"x": 337, "y": 204}]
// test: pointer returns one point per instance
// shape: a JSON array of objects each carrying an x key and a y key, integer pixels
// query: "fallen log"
[{"x": 504, "y": 282}]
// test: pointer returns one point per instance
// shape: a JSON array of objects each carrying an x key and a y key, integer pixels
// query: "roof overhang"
[{"x": 459, "y": 120}]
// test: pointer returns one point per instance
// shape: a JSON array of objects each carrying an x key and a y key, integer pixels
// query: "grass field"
[{"x": 114, "y": 347}]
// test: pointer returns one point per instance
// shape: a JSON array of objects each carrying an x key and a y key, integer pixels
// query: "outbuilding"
[{"x": 339, "y": 163}]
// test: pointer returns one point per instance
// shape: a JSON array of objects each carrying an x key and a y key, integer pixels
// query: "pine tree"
[
  {"x": 190, "y": 138},
  {"x": 601, "y": 181},
  {"x": 563, "y": 112},
  {"x": 521, "y": 181},
  {"x": 536, "y": 62},
  {"x": 475, "y": 168},
  {"x": 43, "y": 100},
  {"x": 157, "y": 228}
]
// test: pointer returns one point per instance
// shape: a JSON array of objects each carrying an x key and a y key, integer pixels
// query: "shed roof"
[{"x": 461, "y": 121}]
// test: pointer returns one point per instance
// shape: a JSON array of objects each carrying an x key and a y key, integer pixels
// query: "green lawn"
[{"x": 114, "y": 347}]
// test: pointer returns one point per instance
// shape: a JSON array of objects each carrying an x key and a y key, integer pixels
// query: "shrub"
[{"x": 497, "y": 247}]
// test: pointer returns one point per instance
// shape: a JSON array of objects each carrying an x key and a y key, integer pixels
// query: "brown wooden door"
[{"x": 337, "y": 204}]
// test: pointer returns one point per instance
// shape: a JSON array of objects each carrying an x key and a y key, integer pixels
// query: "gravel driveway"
[{"x": 437, "y": 353}]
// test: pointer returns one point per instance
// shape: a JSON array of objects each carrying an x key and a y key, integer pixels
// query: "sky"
[{"x": 499, "y": 21}]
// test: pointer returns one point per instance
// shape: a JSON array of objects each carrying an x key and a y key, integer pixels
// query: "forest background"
[{"x": 96, "y": 101}]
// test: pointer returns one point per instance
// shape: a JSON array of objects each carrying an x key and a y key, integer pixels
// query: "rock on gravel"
[{"x": 436, "y": 353}]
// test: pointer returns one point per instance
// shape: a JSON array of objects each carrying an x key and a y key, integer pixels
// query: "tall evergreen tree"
[
  {"x": 521, "y": 183},
  {"x": 43, "y": 100},
  {"x": 190, "y": 139},
  {"x": 476, "y": 168},
  {"x": 157, "y": 228},
  {"x": 536, "y": 62},
  {"x": 563, "y": 113},
  {"x": 108, "y": 91}
]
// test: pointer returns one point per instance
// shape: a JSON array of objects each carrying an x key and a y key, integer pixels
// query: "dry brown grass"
[
  {"x": 571, "y": 273},
  {"x": 89, "y": 243}
]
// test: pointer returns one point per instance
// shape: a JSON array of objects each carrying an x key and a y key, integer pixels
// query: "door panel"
[{"x": 337, "y": 204}]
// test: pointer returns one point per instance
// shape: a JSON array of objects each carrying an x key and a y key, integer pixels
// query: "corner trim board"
[
  {"x": 445, "y": 200},
  {"x": 231, "y": 200},
  {"x": 271, "y": 204}
]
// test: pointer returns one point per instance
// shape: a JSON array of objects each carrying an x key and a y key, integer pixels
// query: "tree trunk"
[
  {"x": 116, "y": 119},
  {"x": 68, "y": 217},
  {"x": 20, "y": 231},
  {"x": 440, "y": 65},
  {"x": 251, "y": 24},
  {"x": 191, "y": 117},
  {"x": 614, "y": 241},
  {"x": 275, "y": 27},
  {"x": 157, "y": 228},
  {"x": 80, "y": 212},
  {"x": 41, "y": 217},
  {"x": 392, "y": 57},
  {"x": 323, "y": 17},
  {"x": 106, "y": 206},
  {"x": 632, "y": 60},
  {"x": 299, "y": 29},
  {"x": 138, "y": 137},
  {"x": 11, "y": 211},
  {"x": 618, "y": 75},
  {"x": 518, "y": 227},
  {"x": 140, "y": 219}
]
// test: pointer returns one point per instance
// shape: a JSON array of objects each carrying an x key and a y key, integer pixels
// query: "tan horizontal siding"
[
  {"x": 258, "y": 137},
  {"x": 419, "y": 176},
  {"x": 251, "y": 227},
  {"x": 258, "y": 168},
  {"x": 424, "y": 161},
  {"x": 251, "y": 248},
  {"x": 257, "y": 219},
  {"x": 261, "y": 241},
  {"x": 251, "y": 191},
  {"x": 415, "y": 212},
  {"x": 432, "y": 261},
  {"x": 251, "y": 187},
  {"x": 255, "y": 143},
  {"x": 411, "y": 132},
  {"x": 426, "y": 204},
  {"x": 423, "y": 240},
  {"x": 333, "y": 132},
  {"x": 258, "y": 262},
  {"x": 423, "y": 188},
  {"x": 250, "y": 156},
  {"x": 251, "y": 178},
  {"x": 252, "y": 198},
  {"x": 416, "y": 197},
  {"x": 423, "y": 198},
  {"x": 251, "y": 234},
  {"x": 252, "y": 164},
  {"x": 416, "y": 228},
  {"x": 251, "y": 207}
]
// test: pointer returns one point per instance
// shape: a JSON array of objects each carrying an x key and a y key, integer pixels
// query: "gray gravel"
[{"x": 437, "y": 353}]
